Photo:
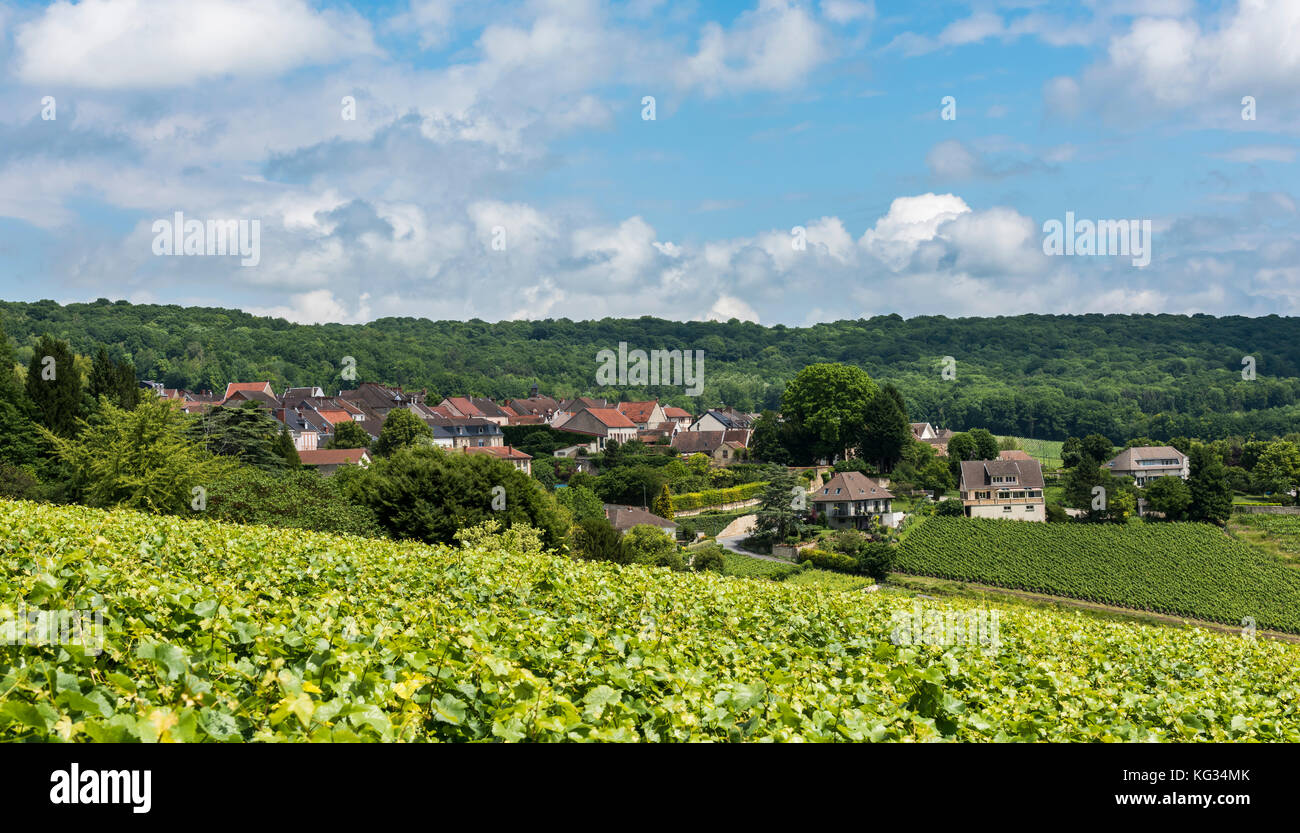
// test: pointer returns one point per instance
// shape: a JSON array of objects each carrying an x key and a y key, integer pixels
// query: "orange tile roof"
[
  {"x": 505, "y": 452},
  {"x": 637, "y": 411},
  {"x": 675, "y": 412},
  {"x": 611, "y": 418}
]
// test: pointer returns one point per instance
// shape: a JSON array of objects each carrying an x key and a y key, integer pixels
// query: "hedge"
[{"x": 716, "y": 497}]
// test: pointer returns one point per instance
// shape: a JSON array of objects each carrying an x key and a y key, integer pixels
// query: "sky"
[{"x": 806, "y": 161}]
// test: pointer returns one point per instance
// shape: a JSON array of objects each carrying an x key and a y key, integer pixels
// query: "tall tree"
[
  {"x": 286, "y": 449},
  {"x": 140, "y": 459},
  {"x": 19, "y": 442},
  {"x": 349, "y": 435},
  {"x": 1278, "y": 468},
  {"x": 779, "y": 514},
  {"x": 663, "y": 504},
  {"x": 828, "y": 404},
  {"x": 114, "y": 380},
  {"x": 1208, "y": 483},
  {"x": 247, "y": 433},
  {"x": 54, "y": 386},
  {"x": 887, "y": 431},
  {"x": 402, "y": 429}
]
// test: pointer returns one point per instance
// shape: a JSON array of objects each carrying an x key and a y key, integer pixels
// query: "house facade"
[
  {"x": 1147, "y": 463},
  {"x": 601, "y": 426},
  {"x": 851, "y": 500},
  {"x": 646, "y": 415},
  {"x": 1010, "y": 489},
  {"x": 512, "y": 455}
]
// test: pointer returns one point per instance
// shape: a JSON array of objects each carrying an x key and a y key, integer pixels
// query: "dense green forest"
[{"x": 1047, "y": 376}]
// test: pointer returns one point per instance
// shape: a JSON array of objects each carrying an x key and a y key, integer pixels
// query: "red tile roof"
[
  {"x": 611, "y": 418},
  {"x": 249, "y": 387},
  {"x": 677, "y": 413},
  {"x": 638, "y": 412}
]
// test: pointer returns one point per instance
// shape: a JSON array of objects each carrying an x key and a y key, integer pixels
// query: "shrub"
[
  {"x": 649, "y": 544},
  {"x": 876, "y": 560},
  {"x": 827, "y": 560},
  {"x": 429, "y": 494},
  {"x": 1056, "y": 514},
  {"x": 595, "y": 540},
  {"x": 949, "y": 509},
  {"x": 709, "y": 559},
  {"x": 298, "y": 499}
]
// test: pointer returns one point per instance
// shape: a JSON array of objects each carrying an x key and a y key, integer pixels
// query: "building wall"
[{"x": 1019, "y": 511}]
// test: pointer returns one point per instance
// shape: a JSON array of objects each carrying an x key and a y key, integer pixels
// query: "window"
[
  {"x": 1029, "y": 508},
  {"x": 1006, "y": 508}
]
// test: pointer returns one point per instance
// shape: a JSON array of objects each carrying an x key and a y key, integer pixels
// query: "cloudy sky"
[{"x": 500, "y": 164}]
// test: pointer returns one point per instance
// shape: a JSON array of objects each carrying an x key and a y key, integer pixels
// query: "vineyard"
[
  {"x": 216, "y": 632},
  {"x": 1183, "y": 569},
  {"x": 1279, "y": 534}
]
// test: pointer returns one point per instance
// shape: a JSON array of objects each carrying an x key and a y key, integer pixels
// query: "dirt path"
[
  {"x": 732, "y": 543},
  {"x": 1130, "y": 611}
]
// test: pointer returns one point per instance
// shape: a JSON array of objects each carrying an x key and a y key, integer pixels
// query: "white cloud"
[
  {"x": 847, "y": 11},
  {"x": 1258, "y": 153},
  {"x": 160, "y": 44},
  {"x": 910, "y": 222},
  {"x": 773, "y": 47},
  {"x": 728, "y": 307}
]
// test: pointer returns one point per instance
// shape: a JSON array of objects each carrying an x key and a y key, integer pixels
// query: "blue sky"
[{"x": 520, "y": 124}]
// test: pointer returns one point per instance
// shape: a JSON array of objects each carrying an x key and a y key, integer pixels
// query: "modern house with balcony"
[
  {"x": 1146, "y": 463},
  {"x": 1010, "y": 489},
  {"x": 854, "y": 501}
]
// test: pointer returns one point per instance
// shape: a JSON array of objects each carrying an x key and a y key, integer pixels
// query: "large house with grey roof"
[
  {"x": 1146, "y": 463},
  {"x": 852, "y": 500},
  {"x": 1010, "y": 489}
]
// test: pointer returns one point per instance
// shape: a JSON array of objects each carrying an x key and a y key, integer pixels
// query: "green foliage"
[
  {"x": 887, "y": 433},
  {"x": 949, "y": 509},
  {"x": 206, "y": 638},
  {"x": 717, "y": 497},
  {"x": 827, "y": 560},
  {"x": 349, "y": 435},
  {"x": 1169, "y": 496},
  {"x": 1208, "y": 484},
  {"x": 19, "y": 483},
  {"x": 1119, "y": 499},
  {"x": 1278, "y": 468},
  {"x": 299, "y": 499},
  {"x": 663, "y": 504},
  {"x": 54, "y": 386},
  {"x": 648, "y": 544},
  {"x": 828, "y": 404},
  {"x": 1075, "y": 377},
  {"x": 581, "y": 502},
  {"x": 777, "y": 516},
  {"x": 709, "y": 559},
  {"x": 427, "y": 494},
  {"x": 402, "y": 429},
  {"x": 285, "y": 448},
  {"x": 1183, "y": 569},
  {"x": 138, "y": 459},
  {"x": 876, "y": 560},
  {"x": 595, "y": 540},
  {"x": 248, "y": 434},
  {"x": 114, "y": 380}
]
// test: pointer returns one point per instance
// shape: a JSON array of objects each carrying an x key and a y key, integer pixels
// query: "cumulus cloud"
[
  {"x": 1164, "y": 64},
  {"x": 773, "y": 47},
  {"x": 160, "y": 44}
]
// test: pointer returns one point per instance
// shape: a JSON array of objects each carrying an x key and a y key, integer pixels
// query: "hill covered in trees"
[{"x": 1046, "y": 376}]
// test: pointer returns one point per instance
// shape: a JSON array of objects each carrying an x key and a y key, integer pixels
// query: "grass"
[
  {"x": 1278, "y": 535},
  {"x": 1047, "y": 452}
]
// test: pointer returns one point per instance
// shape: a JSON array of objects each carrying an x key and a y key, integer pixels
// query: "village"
[{"x": 1009, "y": 485}]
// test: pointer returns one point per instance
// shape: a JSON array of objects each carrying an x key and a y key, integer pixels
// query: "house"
[
  {"x": 852, "y": 500},
  {"x": 517, "y": 458},
  {"x": 262, "y": 388},
  {"x": 623, "y": 518},
  {"x": 646, "y": 415},
  {"x": 260, "y": 392},
  {"x": 1014, "y": 454},
  {"x": 370, "y": 403},
  {"x": 679, "y": 417},
  {"x": 936, "y": 438},
  {"x": 602, "y": 424},
  {"x": 571, "y": 407},
  {"x": 1010, "y": 489},
  {"x": 535, "y": 405},
  {"x": 327, "y": 460},
  {"x": 722, "y": 447},
  {"x": 1146, "y": 463},
  {"x": 462, "y": 432},
  {"x": 727, "y": 419}
]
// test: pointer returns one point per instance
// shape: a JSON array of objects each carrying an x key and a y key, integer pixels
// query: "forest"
[{"x": 1042, "y": 376}]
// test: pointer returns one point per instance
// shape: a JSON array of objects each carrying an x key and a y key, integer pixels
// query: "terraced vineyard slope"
[
  {"x": 1183, "y": 569},
  {"x": 222, "y": 632}
]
